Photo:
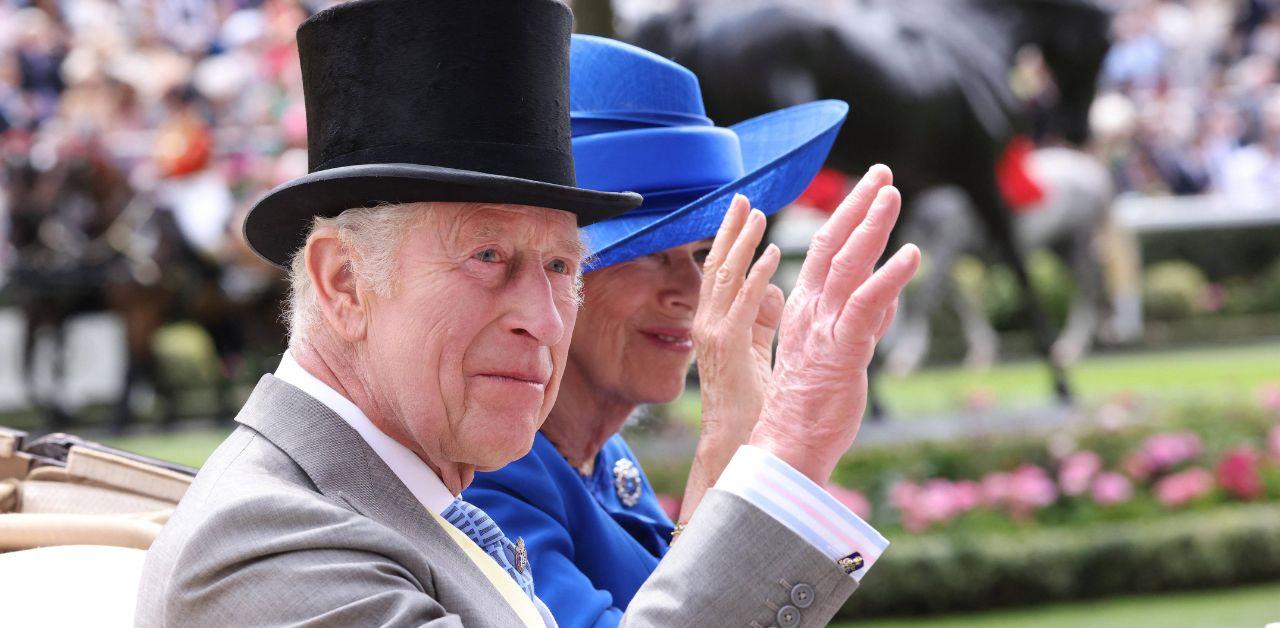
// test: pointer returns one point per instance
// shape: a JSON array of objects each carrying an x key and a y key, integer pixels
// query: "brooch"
[
  {"x": 522, "y": 556},
  {"x": 626, "y": 480}
]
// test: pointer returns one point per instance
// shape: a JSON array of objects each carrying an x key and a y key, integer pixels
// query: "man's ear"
[{"x": 342, "y": 304}]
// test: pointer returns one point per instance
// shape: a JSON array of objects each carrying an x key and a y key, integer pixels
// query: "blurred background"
[{"x": 1077, "y": 416}]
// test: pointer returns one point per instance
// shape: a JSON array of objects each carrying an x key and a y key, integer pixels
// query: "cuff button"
[
  {"x": 802, "y": 595},
  {"x": 788, "y": 617}
]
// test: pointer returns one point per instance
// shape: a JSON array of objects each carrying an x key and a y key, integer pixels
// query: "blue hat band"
[
  {"x": 658, "y": 159},
  {"x": 593, "y": 122}
]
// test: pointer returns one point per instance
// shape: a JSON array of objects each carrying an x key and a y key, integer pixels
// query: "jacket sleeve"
[
  {"x": 735, "y": 564},
  {"x": 574, "y": 600}
]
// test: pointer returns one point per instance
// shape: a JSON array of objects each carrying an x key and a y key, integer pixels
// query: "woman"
[{"x": 592, "y": 525}]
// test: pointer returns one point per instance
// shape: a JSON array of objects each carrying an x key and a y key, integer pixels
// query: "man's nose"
[{"x": 533, "y": 312}]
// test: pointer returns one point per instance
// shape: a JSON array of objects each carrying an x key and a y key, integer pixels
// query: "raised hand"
[
  {"x": 733, "y": 330},
  {"x": 737, "y": 317},
  {"x": 832, "y": 321}
]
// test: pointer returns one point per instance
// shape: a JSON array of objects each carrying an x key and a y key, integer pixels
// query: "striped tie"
[{"x": 485, "y": 532}]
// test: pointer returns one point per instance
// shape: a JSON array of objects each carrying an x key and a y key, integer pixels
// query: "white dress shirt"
[{"x": 412, "y": 471}]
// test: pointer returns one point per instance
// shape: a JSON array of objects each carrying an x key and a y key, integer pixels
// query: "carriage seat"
[{"x": 81, "y": 493}]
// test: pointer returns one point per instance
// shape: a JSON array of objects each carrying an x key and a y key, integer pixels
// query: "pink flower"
[
  {"x": 670, "y": 505},
  {"x": 968, "y": 495},
  {"x": 996, "y": 488},
  {"x": 1238, "y": 473},
  {"x": 1273, "y": 442},
  {"x": 903, "y": 499},
  {"x": 1111, "y": 488},
  {"x": 1137, "y": 466},
  {"x": 937, "y": 501},
  {"x": 853, "y": 500},
  {"x": 980, "y": 399},
  {"x": 1077, "y": 471},
  {"x": 1180, "y": 488},
  {"x": 1167, "y": 450},
  {"x": 1269, "y": 396},
  {"x": 1211, "y": 298},
  {"x": 1031, "y": 488}
]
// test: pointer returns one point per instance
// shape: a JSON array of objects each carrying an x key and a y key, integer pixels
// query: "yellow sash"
[{"x": 502, "y": 581}]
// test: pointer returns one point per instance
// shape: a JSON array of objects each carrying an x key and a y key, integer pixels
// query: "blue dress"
[{"x": 592, "y": 541}]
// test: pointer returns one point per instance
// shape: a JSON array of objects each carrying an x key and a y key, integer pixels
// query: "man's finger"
[
  {"x": 866, "y": 307},
  {"x": 734, "y": 218},
  {"x": 857, "y": 258},
  {"x": 887, "y": 322},
  {"x": 746, "y": 306},
  {"x": 842, "y": 222}
]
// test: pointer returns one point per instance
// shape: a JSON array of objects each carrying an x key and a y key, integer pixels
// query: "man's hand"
[{"x": 832, "y": 321}]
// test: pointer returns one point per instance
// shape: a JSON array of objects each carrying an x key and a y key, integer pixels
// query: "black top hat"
[{"x": 431, "y": 100}]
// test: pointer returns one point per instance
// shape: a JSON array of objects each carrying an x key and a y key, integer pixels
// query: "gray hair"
[{"x": 373, "y": 236}]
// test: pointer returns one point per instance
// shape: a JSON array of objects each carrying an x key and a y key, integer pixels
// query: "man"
[{"x": 429, "y": 329}]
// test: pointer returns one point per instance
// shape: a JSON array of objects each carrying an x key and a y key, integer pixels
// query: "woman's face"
[{"x": 632, "y": 341}]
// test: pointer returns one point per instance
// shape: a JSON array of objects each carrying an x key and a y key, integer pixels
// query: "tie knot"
[{"x": 474, "y": 523}]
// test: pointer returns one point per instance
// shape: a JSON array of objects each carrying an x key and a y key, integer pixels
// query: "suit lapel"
[{"x": 343, "y": 467}]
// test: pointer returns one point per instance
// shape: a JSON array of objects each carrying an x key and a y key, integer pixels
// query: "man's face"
[{"x": 468, "y": 353}]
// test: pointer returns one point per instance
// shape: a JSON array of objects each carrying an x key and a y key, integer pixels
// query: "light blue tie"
[{"x": 485, "y": 532}]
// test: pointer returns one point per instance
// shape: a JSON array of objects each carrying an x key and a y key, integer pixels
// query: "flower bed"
[
  {"x": 1112, "y": 468},
  {"x": 1133, "y": 499},
  {"x": 938, "y": 572}
]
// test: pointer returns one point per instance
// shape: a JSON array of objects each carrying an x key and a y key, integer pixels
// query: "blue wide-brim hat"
[{"x": 639, "y": 125}]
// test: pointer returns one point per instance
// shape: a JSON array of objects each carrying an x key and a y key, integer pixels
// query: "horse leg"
[
  {"x": 938, "y": 223},
  {"x": 983, "y": 342},
  {"x": 1087, "y": 302},
  {"x": 998, "y": 219}
]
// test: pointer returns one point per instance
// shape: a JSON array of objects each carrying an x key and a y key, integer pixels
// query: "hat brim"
[
  {"x": 277, "y": 225},
  {"x": 782, "y": 151}
]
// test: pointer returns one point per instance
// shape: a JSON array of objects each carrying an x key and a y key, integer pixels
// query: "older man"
[{"x": 435, "y": 264}]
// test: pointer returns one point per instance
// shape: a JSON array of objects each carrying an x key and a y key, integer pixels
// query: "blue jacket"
[{"x": 589, "y": 551}]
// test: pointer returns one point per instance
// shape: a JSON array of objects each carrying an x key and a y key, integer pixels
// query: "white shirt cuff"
[{"x": 772, "y": 485}]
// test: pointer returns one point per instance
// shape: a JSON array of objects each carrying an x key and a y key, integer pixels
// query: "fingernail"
[{"x": 738, "y": 197}]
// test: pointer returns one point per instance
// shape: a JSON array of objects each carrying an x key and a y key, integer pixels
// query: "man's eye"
[
  {"x": 488, "y": 255},
  {"x": 558, "y": 266},
  {"x": 700, "y": 256}
]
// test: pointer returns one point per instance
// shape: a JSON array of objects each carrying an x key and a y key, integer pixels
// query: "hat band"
[
  {"x": 658, "y": 160},
  {"x": 606, "y": 121},
  {"x": 511, "y": 160}
]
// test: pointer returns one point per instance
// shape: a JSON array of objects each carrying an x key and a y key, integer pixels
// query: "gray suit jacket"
[{"x": 295, "y": 520}]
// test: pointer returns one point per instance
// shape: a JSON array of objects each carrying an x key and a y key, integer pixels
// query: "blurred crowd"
[
  {"x": 1189, "y": 101},
  {"x": 199, "y": 101}
]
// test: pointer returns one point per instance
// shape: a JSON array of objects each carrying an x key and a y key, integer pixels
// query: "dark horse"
[
  {"x": 85, "y": 242},
  {"x": 927, "y": 82}
]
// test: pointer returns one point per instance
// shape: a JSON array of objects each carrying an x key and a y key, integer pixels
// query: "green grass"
[
  {"x": 189, "y": 447},
  {"x": 1251, "y": 607},
  {"x": 1231, "y": 374},
  {"x": 1211, "y": 374}
]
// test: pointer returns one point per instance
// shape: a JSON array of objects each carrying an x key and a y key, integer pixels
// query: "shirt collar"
[{"x": 408, "y": 467}]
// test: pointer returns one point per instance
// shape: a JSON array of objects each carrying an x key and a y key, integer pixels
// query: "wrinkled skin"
[{"x": 463, "y": 361}]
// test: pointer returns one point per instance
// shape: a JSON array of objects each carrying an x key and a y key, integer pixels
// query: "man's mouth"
[
  {"x": 670, "y": 338},
  {"x": 516, "y": 377}
]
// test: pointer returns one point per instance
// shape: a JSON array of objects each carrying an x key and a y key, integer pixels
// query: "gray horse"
[{"x": 1075, "y": 208}]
